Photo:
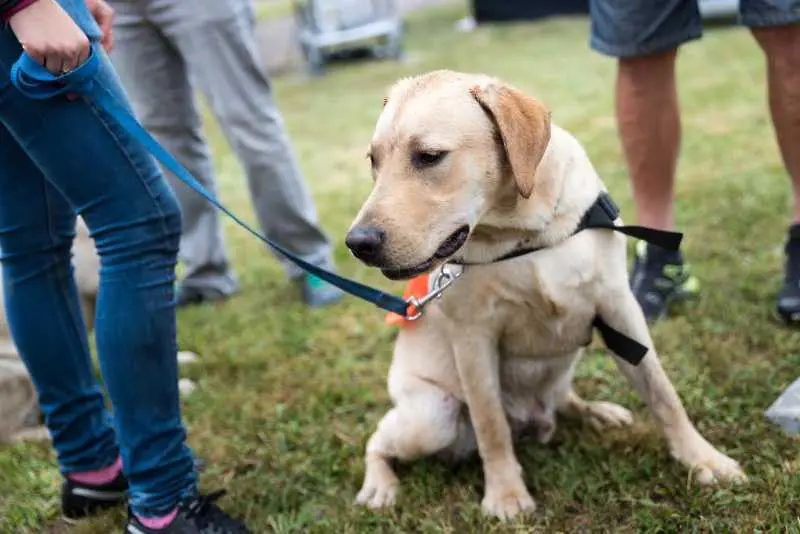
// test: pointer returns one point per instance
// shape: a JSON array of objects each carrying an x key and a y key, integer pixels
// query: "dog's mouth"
[{"x": 449, "y": 246}]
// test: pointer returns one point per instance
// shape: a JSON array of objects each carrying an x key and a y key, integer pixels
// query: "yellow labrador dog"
[{"x": 468, "y": 169}]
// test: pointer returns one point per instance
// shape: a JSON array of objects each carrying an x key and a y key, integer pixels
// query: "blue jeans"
[
  {"x": 59, "y": 158},
  {"x": 628, "y": 29}
]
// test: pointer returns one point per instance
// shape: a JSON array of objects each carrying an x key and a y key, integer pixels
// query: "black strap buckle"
[
  {"x": 604, "y": 212},
  {"x": 601, "y": 214},
  {"x": 606, "y": 203}
]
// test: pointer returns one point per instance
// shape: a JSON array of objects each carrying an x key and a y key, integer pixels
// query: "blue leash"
[{"x": 36, "y": 82}]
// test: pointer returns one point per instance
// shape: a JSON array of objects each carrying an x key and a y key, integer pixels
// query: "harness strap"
[
  {"x": 601, "y": 215},
  {"x": 626, "y": 348},
  {"x": 36, "y": 82},
  {"x": 604, "y": 212}
]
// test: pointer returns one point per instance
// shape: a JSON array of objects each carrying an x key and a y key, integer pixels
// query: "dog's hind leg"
[
  {"x": 599, "y": 414},
  {"x": 424, "y": 421}
]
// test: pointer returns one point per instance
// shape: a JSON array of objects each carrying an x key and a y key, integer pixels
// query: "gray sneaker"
[{"x": 318, "y": 292}]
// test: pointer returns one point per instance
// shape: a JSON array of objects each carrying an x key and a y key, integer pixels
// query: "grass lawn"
[{"x": 287, "y": 397}]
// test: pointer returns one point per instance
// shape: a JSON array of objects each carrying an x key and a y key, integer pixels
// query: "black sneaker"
[
  {"x": 198, "y": 515},
  {"x": 788, "y": 307},
  {"x": 659, "y": 279},
  {"x": 193, "y": 296},
  {"x": 79, "y": 500}
]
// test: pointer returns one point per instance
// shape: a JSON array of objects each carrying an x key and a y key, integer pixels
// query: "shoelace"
[{"x": 207, "y": 514}]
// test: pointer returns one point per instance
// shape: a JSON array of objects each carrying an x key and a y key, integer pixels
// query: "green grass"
[{"x": 288, "y": 396}]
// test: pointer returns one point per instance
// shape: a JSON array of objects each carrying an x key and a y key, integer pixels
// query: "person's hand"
[
  {"x": 50, "y": 36},
  {"x": 103, "y": 13}
]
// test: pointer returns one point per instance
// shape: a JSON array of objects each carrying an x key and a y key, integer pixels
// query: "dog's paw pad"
[{"x": 506, "y": 504}]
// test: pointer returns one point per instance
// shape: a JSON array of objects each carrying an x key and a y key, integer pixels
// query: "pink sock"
[
  {"x": 157, "y": 523},
  {"x": 99, "y": 477}
]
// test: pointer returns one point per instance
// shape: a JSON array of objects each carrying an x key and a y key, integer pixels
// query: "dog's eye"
[
  {"x": 427, "y": 159},
  {"x": 371, "y": 159}
]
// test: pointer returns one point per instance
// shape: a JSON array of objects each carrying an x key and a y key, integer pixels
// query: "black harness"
[{"x": 601, "y": 215}]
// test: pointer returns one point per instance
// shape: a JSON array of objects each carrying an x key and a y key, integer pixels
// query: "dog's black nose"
[{"x": 365, "y": 242}]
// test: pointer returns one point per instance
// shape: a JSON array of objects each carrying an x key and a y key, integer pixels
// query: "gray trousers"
[{"x": 161, "y": 49}]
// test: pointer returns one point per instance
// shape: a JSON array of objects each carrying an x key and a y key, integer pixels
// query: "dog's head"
[{"x": 446, "y": 148}]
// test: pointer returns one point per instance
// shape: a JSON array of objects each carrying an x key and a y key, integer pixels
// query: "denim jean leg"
[
  {"x": 37, "y": 226},
  {"x": 133, "y": 215}
]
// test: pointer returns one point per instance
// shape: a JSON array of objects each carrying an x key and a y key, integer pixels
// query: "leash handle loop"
[{"x": 37, "y": 83}]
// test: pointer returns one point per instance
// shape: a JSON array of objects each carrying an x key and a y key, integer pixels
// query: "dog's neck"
[{"x": 543, "y": 220}]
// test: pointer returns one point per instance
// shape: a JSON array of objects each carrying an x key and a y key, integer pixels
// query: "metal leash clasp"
[{"x": 442, "y": 281}]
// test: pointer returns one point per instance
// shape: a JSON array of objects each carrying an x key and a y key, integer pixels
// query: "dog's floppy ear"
[{"x": 524, "y": 126}]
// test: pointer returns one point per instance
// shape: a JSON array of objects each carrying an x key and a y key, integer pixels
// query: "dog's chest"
[
  {"x": 535, "y": 310},
  {"x": 545, "y": 328}
]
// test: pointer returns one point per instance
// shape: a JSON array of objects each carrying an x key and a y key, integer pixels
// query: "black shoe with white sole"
[
  {"x": 788, "y": 305},
  {"x": 79, "y": 500},
  {"x": 197, "y": 515}
]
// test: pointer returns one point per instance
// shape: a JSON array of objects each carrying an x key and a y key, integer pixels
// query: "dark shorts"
[{"x": 632, "y": 28}]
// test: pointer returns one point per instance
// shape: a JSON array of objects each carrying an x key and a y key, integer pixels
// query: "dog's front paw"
[
  {"x": 507, "y": 502},
  {"x": 715, "y": 468},
  {"x": 379, "y": 489},
  {"x": 708, "y": 465}
]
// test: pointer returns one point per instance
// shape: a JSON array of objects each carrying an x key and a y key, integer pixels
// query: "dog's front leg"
[
  {"x": 477, "y": 360},
  {"x": 621, "y": 312}
]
